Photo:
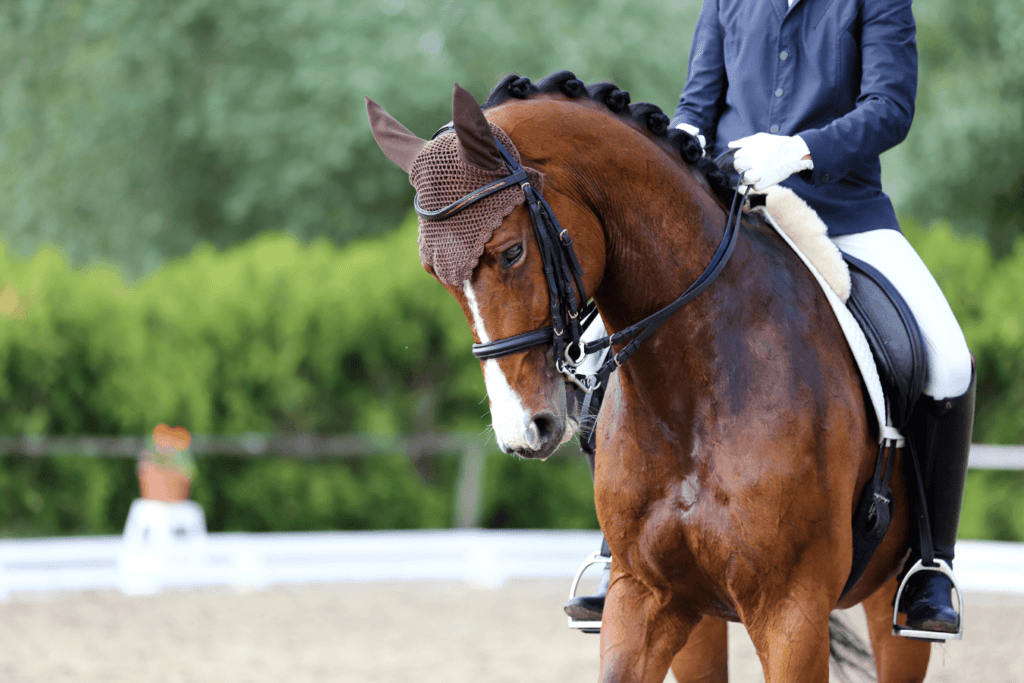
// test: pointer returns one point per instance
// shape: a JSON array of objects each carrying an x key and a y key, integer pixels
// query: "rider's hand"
[
  {"x": 694, "y": 131},
  {"x": 763, "y": 160}
]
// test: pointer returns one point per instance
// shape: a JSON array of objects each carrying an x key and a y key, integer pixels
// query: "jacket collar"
[{"x": 783, "y": 8}]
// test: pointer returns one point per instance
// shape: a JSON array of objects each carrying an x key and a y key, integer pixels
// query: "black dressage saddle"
[
  {"x": 899, "y": 351},
  {"x": 893, "y": 335}
]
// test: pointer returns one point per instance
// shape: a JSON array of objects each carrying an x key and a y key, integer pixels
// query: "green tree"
[
  {"x": 133, "y": 130},
  {"x": 962, "y": 160}
]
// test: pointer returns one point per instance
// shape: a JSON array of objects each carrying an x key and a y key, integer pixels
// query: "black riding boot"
[{"x": 941, "y": 430}]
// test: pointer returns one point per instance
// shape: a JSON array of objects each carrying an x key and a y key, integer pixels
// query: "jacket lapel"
[{"x": 781, "y": 7}]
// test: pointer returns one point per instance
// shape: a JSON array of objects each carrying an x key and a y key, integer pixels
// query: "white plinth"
[{"x": 162, "y": 544}]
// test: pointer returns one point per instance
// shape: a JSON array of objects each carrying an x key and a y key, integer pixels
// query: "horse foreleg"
[
  {"x": 705, "y": 657},
  {"x": 639, "y": 634},
  {"x": 792, "y": 639},
  {"x": 897, "y": 659}
]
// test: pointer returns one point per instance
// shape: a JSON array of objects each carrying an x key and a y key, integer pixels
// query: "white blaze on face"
[{"x": 508, "y": 416}]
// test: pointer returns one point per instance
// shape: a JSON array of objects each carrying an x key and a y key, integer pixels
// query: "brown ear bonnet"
[{"x": 453, "y": 246}]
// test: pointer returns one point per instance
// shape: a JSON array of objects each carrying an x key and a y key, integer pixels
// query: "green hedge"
[
  {"x": 273, "y": 336},
  {"x": 993, "y": 506},
  {"x": 78, "y": 495},
  {"x": 986, "y": 296}
]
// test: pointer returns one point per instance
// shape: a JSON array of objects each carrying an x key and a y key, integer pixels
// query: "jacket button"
[
  {"x": 778, "y": 93},
  {"x": 783, "y": 55},
  {"x": 773, "y": 129}
]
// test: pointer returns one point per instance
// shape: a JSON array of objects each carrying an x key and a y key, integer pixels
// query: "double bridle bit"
[{"x": 571, "y": 315}]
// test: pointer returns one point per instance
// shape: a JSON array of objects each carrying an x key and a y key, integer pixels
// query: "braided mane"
[{"x": 644, "y": 115}]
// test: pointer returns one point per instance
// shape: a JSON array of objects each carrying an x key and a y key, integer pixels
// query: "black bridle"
[{"x": 569, "y": 313}]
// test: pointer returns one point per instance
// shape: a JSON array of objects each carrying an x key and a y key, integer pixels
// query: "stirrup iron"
[
  {"x": 593, "y": 558},
  {"x": 941, "y": 567}
]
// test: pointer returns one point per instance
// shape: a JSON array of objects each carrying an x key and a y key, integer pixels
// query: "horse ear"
[
  {"x": 476, "y": 141},
  {"x": 396, "y": 141}
]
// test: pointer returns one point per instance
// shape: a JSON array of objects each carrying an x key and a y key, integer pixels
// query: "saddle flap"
[{"x": 893, "y": 335}]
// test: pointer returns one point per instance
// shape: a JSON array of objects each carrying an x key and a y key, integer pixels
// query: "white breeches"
[{"x": 949, "y": 361}]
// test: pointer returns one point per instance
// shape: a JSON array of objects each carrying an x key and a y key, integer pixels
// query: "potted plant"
[{"x": 166, "y": 468}]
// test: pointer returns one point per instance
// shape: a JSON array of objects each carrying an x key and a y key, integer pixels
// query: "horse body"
[
  {"x": 732, "y": 445},
  {"x": 733, "y": 433}
]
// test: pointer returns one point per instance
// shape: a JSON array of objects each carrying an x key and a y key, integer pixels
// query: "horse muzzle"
[{"x": 542, "y": 433}]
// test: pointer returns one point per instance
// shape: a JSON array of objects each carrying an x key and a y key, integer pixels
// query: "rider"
[{"x": 809, "y": 93}]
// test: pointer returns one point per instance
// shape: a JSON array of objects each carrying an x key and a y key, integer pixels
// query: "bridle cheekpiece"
[{"x": 562, "y": 270}]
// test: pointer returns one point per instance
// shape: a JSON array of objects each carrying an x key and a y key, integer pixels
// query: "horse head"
[{"x": 486, "y": 254}]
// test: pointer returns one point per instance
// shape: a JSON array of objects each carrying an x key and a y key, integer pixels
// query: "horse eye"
[{"x": 511, "y": 255}]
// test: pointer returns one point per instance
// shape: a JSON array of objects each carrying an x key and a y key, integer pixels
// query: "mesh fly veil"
[{"x": 453, "y": 246}]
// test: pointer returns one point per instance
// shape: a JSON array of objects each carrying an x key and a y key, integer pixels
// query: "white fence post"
[{"x": 469, "y": 490}]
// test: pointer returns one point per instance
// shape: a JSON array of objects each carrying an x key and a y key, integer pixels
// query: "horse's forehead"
[{"x": 453, "y": 246}]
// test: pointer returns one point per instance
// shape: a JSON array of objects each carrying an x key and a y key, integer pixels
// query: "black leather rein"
[{"x": 565, "y": 279}]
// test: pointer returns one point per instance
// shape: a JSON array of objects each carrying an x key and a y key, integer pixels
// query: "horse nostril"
[{"x": 539, "y": 432}]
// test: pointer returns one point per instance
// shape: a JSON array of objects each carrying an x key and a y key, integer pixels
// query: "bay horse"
[{"x": 734, "y": 442}]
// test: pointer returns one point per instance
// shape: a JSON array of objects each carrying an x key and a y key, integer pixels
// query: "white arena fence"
[
  {"x": 183, "y": 555},
  {"x": 471, "y": 449},
  {"x": 256, "y": 561}
]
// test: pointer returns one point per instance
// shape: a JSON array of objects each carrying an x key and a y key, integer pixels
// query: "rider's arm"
[
  {"x": 706, "y": 82},
  {"x": 885, "y": 107}
]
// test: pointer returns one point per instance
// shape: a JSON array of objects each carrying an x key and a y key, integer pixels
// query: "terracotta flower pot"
[
  {"x": 162, "y": 483},
  {"x": 171, "y": 438}
]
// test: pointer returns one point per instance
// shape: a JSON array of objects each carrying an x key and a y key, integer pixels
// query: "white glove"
[
  {"x": 694, "y": 131},
  {"x": 763, "y": 160}
]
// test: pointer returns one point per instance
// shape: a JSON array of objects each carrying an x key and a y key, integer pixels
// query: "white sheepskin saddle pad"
[{"x": 807, "y": 231}]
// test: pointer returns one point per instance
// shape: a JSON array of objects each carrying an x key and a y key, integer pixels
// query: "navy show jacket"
[{"x": 842, "y": 74}]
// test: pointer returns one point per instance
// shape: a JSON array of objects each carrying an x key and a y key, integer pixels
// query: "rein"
[{"x": 565, "y": 278}]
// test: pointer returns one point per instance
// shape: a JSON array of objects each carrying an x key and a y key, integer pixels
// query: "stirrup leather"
[
  {"x": 593, "y": 558},
  {"x": 941, "y": 567}
]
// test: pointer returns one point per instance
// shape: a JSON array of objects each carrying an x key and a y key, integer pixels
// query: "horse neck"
[
  {"x": 660, "y": 226},
  {"x": 657, "y": 243}
]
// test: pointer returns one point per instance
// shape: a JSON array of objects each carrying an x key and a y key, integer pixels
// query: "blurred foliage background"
[
  {"x": 136, "y": 129},
  {"x": 198, "y": 229}
]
